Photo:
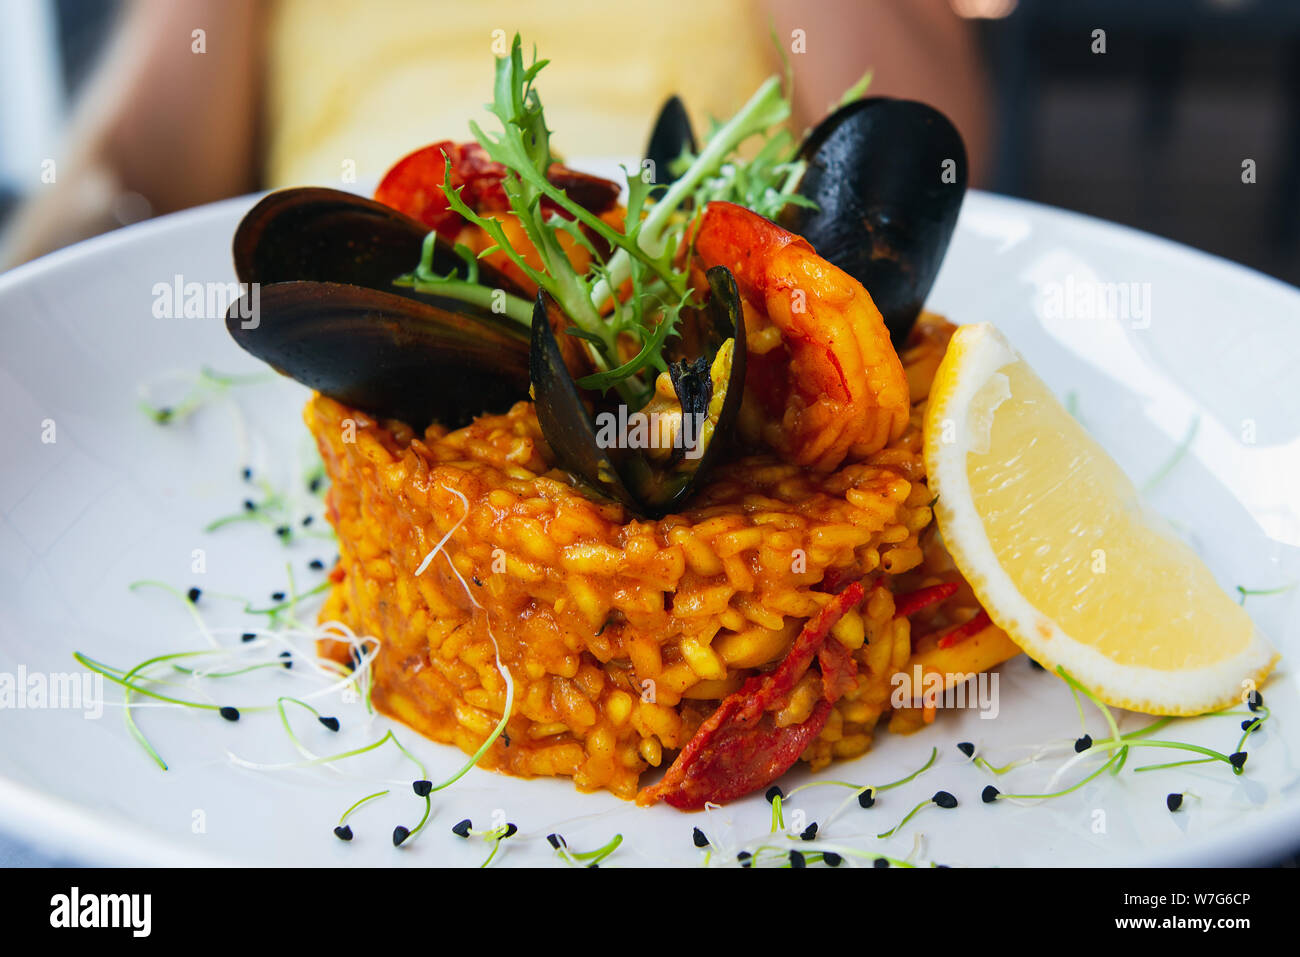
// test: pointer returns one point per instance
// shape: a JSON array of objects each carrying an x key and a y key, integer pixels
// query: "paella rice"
[{"x": 620, "y": 634}]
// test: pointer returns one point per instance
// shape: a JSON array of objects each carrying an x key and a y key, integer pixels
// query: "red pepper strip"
[
  {"x": 414, "y": 186},
  {"x": 964, "y": 631},
  {"x": 913, "y": 601},
  {"x": 838, "y": 670},
  {"x": 739, "y": 748}
]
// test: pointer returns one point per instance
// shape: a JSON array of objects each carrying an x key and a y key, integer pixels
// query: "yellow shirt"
[{"x": 352, "y": 87}]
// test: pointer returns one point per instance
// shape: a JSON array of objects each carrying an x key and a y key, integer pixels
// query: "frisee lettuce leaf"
[{"x": 644, "y": 253}]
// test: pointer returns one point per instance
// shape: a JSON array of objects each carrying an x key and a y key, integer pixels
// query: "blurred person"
[{"x": 199, "y": 100}]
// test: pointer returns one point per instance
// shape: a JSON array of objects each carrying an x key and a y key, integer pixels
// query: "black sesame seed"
[
  {"x": 248, "y": 473},
  {"x": 831, "y": 858},
  {"x": 400, "y": 834},
  {"x": 966, "y": 748},
  {"x": 989, "y": 794},
  {"x": 288, "y": 659},
  {"x": 511, "y": 831},
  {"x": 229, "y": 713},
  {"x": 1035, "y": 665},
  {"x": 250, "y": 505},
  {"x": 248, "y": 636},
  {"x": 593, "y": 864},
  {"x": 773, "y": 793},
  {"x": 1174, "y": 801},
  {"x": 1083, "y": 744},
  {"x": 880, "y": 862},
  {"x": 461, "y": 829},
  {"x": 1238, "y": 759},
  {"x": 307, "y": 520},
  {"x": 316, "y": 565},
  {"x": 867, "y": 798},
  {"x": 809, "y": 833},
  {"x": 331, "y": 723},
  {"x": 475, "y": 580},
  {"x": 283, "y": 531},
  {"x": 555, "y": 841},
  {"x": 796, "y": 860},
  {"x": 342, "y": 832},
  {"x": 277, "y": 596},
  {"x": 699, "y": 838},
  {"x": 194, "y": 594},
  {"x": 314, "y": 484},
  {"x": 1250, "y": 724},
  {"x": 505, "y": 738},
  {"x": 945, "y": 867},
  {"x": 1254, "y": 701},
  {"x": 944, "y": 799},
  {"x": 744, "y": 858},
  {"x": 422, "y": 788}
]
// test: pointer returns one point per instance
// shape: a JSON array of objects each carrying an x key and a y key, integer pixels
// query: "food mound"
[
  {"x": 630, "y": 477},
  {"x": 622, "y": 635}
]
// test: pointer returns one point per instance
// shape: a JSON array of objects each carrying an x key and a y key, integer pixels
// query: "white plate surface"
[{"x": 116, "y": 498}]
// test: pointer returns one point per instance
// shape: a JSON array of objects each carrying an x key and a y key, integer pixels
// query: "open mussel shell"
[
  {"x": 327, "y": 235},
  {"x": 387, "y": 355},
  {"x": 888, "y": 177},
  {"x": 646, "y": 486},
  {"x": 670, "y": 135}
]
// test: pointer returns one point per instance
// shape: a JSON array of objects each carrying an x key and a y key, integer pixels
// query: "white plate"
[{"x": 117, "y": 498}]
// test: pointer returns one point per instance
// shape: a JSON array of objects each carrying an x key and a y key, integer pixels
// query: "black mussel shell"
[
  {"x": 888, "y": 177},
  {"x": 644, "y": 486},
  {"x": 670, "y": 135},
  {"x": 385, "y": 354},
  {"x": 326, "y": 235},
  {"x": 561, "y": 410}
]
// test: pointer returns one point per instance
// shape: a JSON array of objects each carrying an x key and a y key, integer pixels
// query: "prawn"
[{"x": 823, "y": 382}]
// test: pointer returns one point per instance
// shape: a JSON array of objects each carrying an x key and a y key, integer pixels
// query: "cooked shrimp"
[{"x": 823, "y": 383}]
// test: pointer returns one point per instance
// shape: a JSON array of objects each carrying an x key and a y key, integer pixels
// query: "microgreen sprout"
[
  {"x": 342, "y": 831},
  {"x": 493, "y": 836},
  {"x": 204, "y": 386},
  {"x": 1118, "y": 746},
  {"x": 865, "y": 794},
  {"x": 1178, "y": 454},
  {"x": 1245, "y": 593},
  {"x": 941, "y": 799},
  {"x": 584, "y": 858}
]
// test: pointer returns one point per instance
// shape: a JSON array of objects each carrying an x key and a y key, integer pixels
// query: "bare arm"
[
  {"x": 918, "y": 49},
  {"x": 158, "y": 119}
]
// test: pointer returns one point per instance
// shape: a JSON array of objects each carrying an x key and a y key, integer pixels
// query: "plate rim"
[{"x": 59, "y": 826}]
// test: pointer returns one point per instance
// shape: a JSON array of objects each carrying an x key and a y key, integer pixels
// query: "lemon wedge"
[{"x": 1063, "y": 554}]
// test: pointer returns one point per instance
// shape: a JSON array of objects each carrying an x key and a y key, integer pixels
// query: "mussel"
[
  {"x": 329, "y": 315},
  {"x": 707, "y": 371},
  {"x": 887, "y": 177},
  {"x": 387, "y": 355},
  {"x": 326, "y": 235},
  {"x": 670, "y": 136}
]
